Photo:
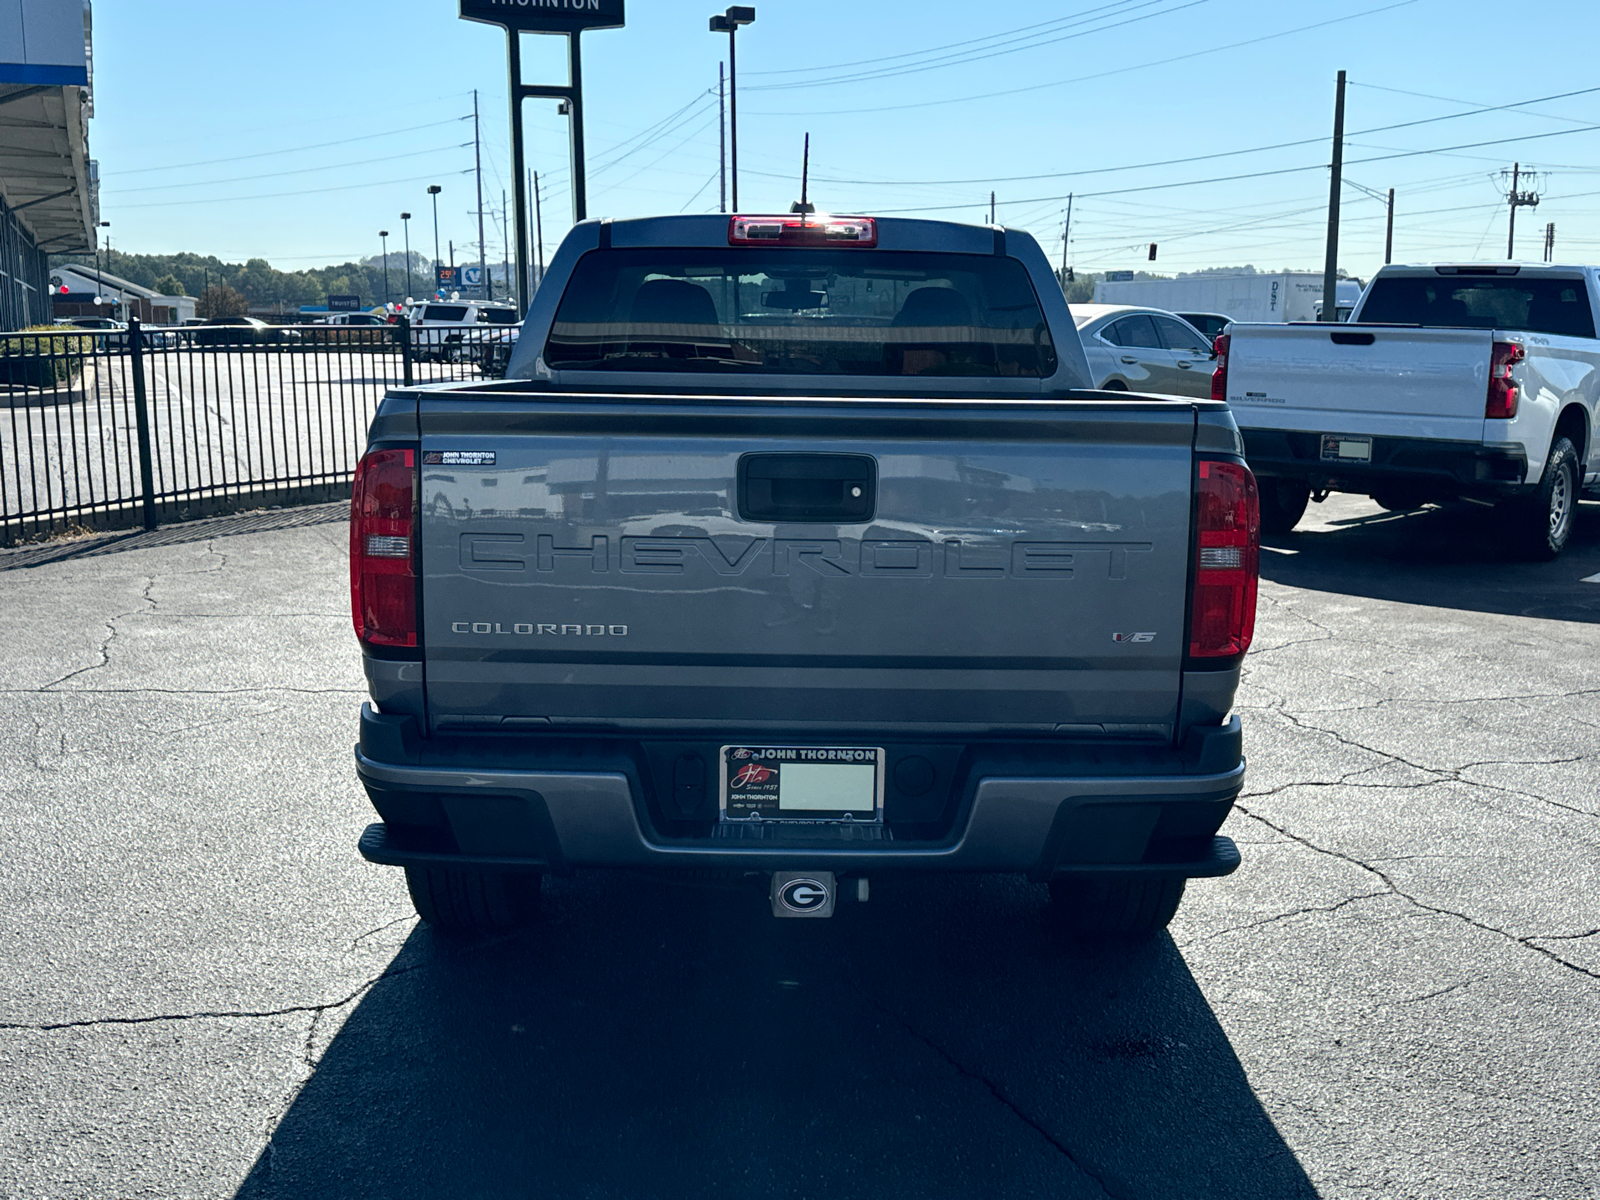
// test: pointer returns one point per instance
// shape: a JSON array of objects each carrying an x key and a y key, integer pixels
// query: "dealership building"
[{"x": 49, "y": 185}]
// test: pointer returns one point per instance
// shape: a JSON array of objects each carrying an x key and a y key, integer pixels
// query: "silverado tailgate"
[
  {"x": 1428, "y": 383},
  {"x": 585, "y": 562}
]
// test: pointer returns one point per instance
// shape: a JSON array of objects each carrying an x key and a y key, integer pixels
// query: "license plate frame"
[
  {"x": 1339, "y": 447},
  {"x": 826, "y": 783}
]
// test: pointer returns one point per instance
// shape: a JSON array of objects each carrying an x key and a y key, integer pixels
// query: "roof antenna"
[{"x": 802, "y": 206}]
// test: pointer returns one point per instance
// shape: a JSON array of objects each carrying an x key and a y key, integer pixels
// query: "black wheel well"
[{"x": 1573, "y": 424}]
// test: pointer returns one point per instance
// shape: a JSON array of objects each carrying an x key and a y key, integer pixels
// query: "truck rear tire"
[
  {"x": 1117, "y": 907},
  {"x": 459, "y": 900},
  {"x": 1283, "y": 503},
  {"x": 1537, "y": 526}
]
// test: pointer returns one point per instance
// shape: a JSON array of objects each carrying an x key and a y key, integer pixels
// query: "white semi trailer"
[{"x": 1286, "y": 296}]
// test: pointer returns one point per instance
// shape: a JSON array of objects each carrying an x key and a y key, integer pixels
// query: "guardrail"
[{"x": 112, "y": 428}]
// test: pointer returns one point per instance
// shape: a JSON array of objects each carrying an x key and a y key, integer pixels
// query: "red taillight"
[
  {"x": 1219, "y": 376},
  {"x": 803, "y": 230},
  {"x": 1502, "y": 402},
  {"x": 383, "y": 579},
  {"x": 1222, "y": 608}
]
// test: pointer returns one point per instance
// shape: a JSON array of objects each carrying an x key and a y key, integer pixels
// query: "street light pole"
[
  {"x": 383, "y": 234},
  {"x": 729, "y": 23},
  {"x": 405, "y": 219},
  {"x": 433, "y": 190}
]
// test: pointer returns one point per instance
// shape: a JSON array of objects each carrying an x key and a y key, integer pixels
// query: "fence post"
[
  {"x": 404, "y": 326},
  {"x": 141, "y": 416}
]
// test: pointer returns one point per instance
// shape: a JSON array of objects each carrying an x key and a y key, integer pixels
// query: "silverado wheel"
[
  {"x": 1538, "y": 525},
  {"x": 1119, "y": 907},
  {"x": 466, "y": 901},
  {"x": 1283, "y": 503}
]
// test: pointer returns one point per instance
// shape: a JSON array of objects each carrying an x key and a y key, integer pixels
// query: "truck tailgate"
[
  {"x": 585, "y": 562},
  {"x": 1427, "y": 383}
]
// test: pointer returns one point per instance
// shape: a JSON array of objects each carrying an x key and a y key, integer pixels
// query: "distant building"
[
  {"x": 118, "y": 298},
  {"x": 49, "y": 200}
]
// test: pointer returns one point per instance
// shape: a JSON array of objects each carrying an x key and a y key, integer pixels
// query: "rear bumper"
[
  {"x": 506, "y": 817},
  {"x": 1433, "y": 466}
]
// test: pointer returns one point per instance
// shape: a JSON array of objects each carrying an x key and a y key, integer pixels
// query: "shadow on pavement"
[
  {"x": 1451, "y": 557},
  {"x": 660, "y": 1039},
  {"x": 178, "y": 533}
]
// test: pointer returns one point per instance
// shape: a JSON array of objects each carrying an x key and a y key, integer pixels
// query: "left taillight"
[
  {"x": 383, "y": 550},
  {"x": 1222, "y": 604}
]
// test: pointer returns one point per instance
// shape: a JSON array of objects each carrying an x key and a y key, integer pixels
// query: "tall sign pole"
[
  {"x": 1330, "y": 267},
  {"x": 571, "y": 20}
]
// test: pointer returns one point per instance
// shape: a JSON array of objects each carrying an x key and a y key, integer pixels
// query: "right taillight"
[
  {"x": 383, "y": 578},
  {"x": 1222, "y": 607},
  {"x": 1219, "y": 376},
  {"x": 1502, "y": 401}
]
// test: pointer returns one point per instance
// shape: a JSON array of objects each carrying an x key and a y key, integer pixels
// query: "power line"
[
  {"x": 864, "y": 62},
  {"x": 1172, "y": 162},
  {"x": 305, "y": 192},
  {"x": 1159, "y": 62},
  {"x": 963, "y": 57},
  {"x": 366, "y": 137},
  {"x": 162, "y": 187},
  {"x": 1156, "y": 187}
]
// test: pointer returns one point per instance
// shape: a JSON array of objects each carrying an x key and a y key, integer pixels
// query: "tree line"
[{"x": 260, "y": 283}]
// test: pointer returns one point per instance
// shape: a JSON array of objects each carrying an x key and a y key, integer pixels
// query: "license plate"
[
  {"x": 1338, "y": 448},
  {"x": 802, "y": 783}
]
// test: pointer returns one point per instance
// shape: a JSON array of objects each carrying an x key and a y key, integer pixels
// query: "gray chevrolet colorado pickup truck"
[{"x": 797, "y": 548}]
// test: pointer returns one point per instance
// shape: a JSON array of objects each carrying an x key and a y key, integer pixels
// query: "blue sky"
[{"x": 294, "y": 132}]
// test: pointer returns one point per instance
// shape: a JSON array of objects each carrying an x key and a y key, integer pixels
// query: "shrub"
[{"x": 49, "y": 358}]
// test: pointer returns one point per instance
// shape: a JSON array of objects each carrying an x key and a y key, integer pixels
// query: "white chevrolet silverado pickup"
[{"x": 1473, "y": 381}]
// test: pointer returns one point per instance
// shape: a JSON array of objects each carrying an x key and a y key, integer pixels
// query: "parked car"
[
  {"x": 365, "y": 320},
  {"x": 447, "y": 330},
  {"x": 493, "y": 349},
  {"x": 1455, "y": 380},
  {"x": 241, "y": 331},
  {"x": 113, "y": 334},
  {"x": 1143, "y": 350},
  {"x": 1208, "y": 323},
  {"x": 804, "y": 548}
]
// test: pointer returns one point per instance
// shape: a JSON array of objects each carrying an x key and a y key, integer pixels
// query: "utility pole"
[
  {"x": 1066, "y": 236},
  {"x": 991, "y": 208},
  {"x": 1330, "y": 266},
  {"x": 505, "y": 234},
  {"x": 1518, "y": 199},
  {"x": 538, "y": 229},
  {"x": 722, "y": 148},
  {"x": 1388, "y": 236},
  {"x": 477, "y": 159}
]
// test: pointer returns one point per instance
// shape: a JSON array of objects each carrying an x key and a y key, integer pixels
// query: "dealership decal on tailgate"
[{"x": 802, "y": 783}]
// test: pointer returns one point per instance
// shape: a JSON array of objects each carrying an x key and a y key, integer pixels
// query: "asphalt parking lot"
[{"x": 206, "y": 992}]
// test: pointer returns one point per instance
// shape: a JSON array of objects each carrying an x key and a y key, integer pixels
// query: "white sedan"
[{"x": 1134, "y": 349}]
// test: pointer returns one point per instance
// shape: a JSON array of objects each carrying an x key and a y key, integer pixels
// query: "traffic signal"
[{"x": 1152, "y": 252}]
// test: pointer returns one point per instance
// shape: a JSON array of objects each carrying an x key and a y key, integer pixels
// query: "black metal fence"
[{"x": 101, "y": 428}]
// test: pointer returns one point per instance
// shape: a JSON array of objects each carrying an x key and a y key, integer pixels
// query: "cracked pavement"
[{"x": 208, "y": 993}]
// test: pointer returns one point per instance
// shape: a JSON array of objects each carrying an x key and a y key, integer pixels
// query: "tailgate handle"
[
  {"x": 824, "y": 489},
  {"x": 1352, "y": 339}
]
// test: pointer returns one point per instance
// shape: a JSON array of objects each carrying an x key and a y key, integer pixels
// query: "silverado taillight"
[
  {"x": 1222, "y": 607},
  {"x": 383, "y": 577},
  {"x": 1219, "y": 376},
  {"x": 1502, "y": 401}
]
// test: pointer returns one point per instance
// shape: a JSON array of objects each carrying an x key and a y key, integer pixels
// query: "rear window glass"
[
  {"x": 445, "y": 312},
  {"x": 801, "y": 312},
  {"x": 1559, "y": 307}
]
